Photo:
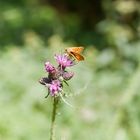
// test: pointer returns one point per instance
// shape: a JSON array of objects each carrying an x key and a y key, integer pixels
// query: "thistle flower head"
[
  {"x": 64, "y": 60},
  {"x": 55, "y": 87},
  {"x": 49, "y": 67}
]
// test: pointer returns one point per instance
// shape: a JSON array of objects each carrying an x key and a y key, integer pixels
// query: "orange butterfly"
[{"x": 75, "y": 52}]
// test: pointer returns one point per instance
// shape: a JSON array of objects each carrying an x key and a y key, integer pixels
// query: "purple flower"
[
  {"x": 49, "y": 67},
  {"x": 64, "y": 61},
  {"x": 55, "y": 87},
  {"x": 68, "y": 75}
]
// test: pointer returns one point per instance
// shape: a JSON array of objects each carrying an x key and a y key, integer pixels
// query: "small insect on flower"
[{"x": 75, "y": 52}]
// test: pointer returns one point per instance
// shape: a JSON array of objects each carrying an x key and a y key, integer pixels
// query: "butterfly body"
[{"x": 75, "y": 52}]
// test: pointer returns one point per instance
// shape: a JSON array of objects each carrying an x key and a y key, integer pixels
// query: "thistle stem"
[{"x": 55, "y": 102}]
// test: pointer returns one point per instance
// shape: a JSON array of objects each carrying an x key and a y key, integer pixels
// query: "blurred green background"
[{"x": 105, "y": 90}]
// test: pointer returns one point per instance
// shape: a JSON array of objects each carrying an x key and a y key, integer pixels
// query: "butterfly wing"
[
  {"x": 77, "y": 56},
  {"x": 78, "y": 50}
]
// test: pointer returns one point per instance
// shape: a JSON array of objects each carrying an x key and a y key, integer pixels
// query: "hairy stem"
[{"x": 55, "y": 102}]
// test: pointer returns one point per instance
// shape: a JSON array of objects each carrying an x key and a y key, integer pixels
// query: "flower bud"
[
  {"x": 49, "y": 67},
  {"x": 68, "y": 75},
  {"x": 44, "y": 81}
]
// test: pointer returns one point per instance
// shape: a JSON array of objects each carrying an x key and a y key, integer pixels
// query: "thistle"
[
  {"x": 57, "y": 76},
  {"x": 55, "y": 80}
]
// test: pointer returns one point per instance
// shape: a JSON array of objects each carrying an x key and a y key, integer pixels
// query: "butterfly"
[{"x": 75, "y": 52}]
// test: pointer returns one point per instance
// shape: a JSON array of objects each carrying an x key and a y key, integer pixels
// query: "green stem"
[{"x": 55, "y": 102}]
